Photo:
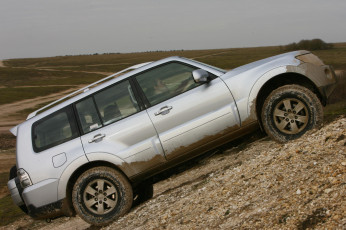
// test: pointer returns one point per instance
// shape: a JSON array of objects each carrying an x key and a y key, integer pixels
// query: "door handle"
[
  {"x": 164, "y": 110},
  {"x": 97, "y": 138}
]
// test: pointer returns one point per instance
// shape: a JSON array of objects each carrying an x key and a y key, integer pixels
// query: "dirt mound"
[
  {"x": 297, "y": 185},
  {"x": 10, "y": 117}
]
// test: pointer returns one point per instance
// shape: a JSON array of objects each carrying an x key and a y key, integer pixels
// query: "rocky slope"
[
  {"x": 300, "y": 185},
  {"x": 297, "y": 185}
]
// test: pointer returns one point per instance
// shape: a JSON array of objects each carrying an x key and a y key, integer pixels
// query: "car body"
[{"x": 118, "y": 133}]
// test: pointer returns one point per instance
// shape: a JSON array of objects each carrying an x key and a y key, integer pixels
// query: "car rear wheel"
[
  {"x": 290, "y": 111},
  {"x": 101, "y": 195}
]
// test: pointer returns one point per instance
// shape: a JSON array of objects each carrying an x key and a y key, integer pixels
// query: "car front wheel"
[
  {"x": 290, "y": 111},
  {"x": 101, "y": 195}
]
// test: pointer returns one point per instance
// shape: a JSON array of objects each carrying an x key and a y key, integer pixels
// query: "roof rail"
[{"x": 31, "y": 115}]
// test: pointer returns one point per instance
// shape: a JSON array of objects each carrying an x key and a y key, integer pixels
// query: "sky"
[{"x": 45, "y": 28}]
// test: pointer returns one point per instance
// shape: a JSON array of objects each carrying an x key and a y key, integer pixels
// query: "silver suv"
[{"x": 95, "y": 151}]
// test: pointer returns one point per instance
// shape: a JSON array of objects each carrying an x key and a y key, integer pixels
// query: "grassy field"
[
  {"x": 67, "y": 71},
  {"x": 14, "y": 77},
  {"x": 8, "y": 211},
  {"x": 335, "y": 57},
  {"x": 36, "y": 77},
  {"x": 13, "y": 94},
  {"x": 223, "y": 58},
  {"x": 18, "y": 83}
]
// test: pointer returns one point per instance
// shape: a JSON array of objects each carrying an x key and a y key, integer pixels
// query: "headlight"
[{"x": 24, "y": 178}]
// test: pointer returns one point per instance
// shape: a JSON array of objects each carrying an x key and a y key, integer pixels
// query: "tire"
[
  {"x": 101, "y": 206},
  {"x": 13, "y": 172},
  {"x": 290, "y": 111},
  {"x": 143, "y": 193}
]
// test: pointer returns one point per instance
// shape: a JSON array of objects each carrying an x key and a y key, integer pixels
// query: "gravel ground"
[{"x": 297, "y": 185}]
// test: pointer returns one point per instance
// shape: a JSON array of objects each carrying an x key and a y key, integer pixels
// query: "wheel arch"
[
  {"x": 88, "y": 166},
  {"x": 279, "y": 80},
  {"x": 72, "y": 173},
  {"x": 115, "y": 184}
]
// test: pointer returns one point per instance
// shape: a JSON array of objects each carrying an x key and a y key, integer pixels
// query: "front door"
[{"x": 187, "y": 115}]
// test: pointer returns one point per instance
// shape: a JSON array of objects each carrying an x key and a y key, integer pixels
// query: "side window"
[
  {"x": 88, "y": 116},
  {"x": 166, "y": 81},
  {"x": 107, "y": 106},
  {"x": 116, "y": 102},
  {"x": 54, "y": 130}
]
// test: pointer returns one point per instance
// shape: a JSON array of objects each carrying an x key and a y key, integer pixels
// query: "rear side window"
[
  {"x": 55, "y": 129},
  {"x": 107, "y": 106},
  {"x": 116, "y": 102}
]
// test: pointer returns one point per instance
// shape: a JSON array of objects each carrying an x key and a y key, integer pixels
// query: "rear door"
[
  {"x": 55, "y": 145},
  {"x": 112, "y": 122},
  {"x": 186, "y": 115}
]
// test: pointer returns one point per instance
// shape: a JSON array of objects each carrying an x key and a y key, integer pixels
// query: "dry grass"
[{"x": 72, "y": 70}]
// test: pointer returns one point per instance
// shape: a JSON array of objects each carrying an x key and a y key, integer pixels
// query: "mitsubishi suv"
[{"x": 94, "y": 152}]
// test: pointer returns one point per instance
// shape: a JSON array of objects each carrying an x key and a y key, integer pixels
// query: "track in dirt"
[{"x": 9, "y": 112}]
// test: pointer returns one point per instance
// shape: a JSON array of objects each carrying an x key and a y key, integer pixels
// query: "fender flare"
[
  {"x": 67, "y": 173},
  {"x": 260, "y": 82},
  {"x": 114, "y": 160}
]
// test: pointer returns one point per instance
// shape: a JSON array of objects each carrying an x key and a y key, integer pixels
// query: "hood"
[{"x": 290, "y": 55}]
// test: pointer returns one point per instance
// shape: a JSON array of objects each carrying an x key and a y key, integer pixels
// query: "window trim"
[
  {"x": 72, "y": 120},
  {"x": 80, "y": 127},
  {"x": 140, "y": 92}
]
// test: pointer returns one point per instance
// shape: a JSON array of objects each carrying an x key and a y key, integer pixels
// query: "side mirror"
[{"x": 200, "y": 75}]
